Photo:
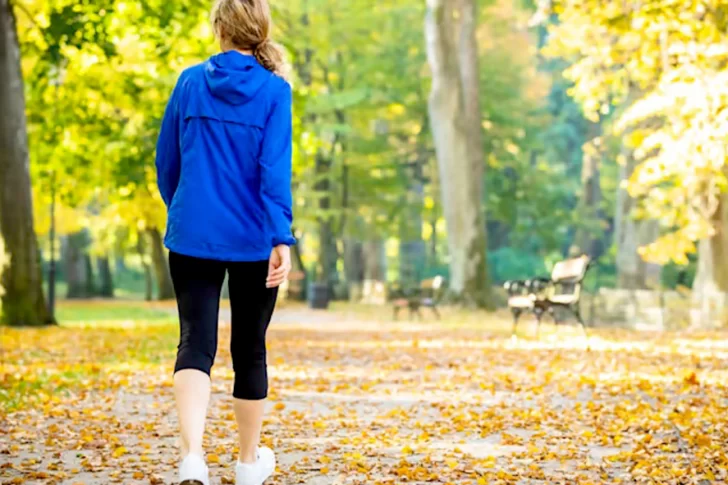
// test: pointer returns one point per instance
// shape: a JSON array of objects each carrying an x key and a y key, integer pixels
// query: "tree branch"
[{"x": 27, "y": 13}]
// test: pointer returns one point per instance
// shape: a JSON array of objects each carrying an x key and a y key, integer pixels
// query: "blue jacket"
[{"x": 224, "y": 161}]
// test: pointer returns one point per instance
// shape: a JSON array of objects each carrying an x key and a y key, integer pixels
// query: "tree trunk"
[
  {"x": 375, "y": 271},
  {"x": 354, "y": 268},
  {"x": 106, "y": 280},
  {"x": 327, "y": 243},
  {"x": 711, "y": 280},
  {"x": 148, "y": 283},
  {"x": 629, "y": 235},
  {"x": 119, "y": 263},
  {"x": 77, "y": 265},
  {"x": 165, "y": 289},
  {"x": 90, "y": 280},
  {"x": 412, "y": 251},
  {"x": 457, "y": 134},
  {"x": 23, "y": 302},
  {"x": 432, "y": 258},
  {"x": 589, "y": 238}
]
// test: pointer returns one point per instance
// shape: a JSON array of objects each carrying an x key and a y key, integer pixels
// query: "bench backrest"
[
  {"x": 432, "y": 283},
  {"x": 567, "y": 278},
  {"x": 570, "y": 270},
  {"x": 432, "y": 288}
]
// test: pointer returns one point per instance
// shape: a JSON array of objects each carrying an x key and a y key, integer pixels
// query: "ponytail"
[{"x": 271, "y": 56}]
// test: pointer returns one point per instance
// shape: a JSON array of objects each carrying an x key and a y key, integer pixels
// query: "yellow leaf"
[
  {"x": 120, "y": 451},
  {"x": 213, "y": 458},
  {"x": 692, "y": 379}
]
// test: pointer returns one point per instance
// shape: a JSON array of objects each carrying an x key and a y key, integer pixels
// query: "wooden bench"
[
  {"x": 545, "y": 295},
  {"x": 427, "y": 295}
]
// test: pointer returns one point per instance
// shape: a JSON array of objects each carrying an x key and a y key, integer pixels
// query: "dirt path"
[{"x": 357, "y": 402}]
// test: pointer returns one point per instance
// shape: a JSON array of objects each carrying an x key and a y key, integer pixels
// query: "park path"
[{"x": 365, "y": 402}]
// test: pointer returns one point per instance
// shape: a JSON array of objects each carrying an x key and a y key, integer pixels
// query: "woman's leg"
[
  {"x": 251, "y": 306},
  {"x": 197, "y": 284}
]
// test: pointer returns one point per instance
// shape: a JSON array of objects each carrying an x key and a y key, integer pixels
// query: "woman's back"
[{"x": 224, "y": 160}]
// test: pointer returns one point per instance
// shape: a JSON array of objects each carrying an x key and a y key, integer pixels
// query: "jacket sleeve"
[
  {"x": 275, "y": 169},
  {"x": 168, "y": 151}
]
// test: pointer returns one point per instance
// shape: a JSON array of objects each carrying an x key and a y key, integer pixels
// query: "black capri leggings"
[{"x": 197, "y": 284}]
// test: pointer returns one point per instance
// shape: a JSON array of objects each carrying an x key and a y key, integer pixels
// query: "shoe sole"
[{"x": 191, "y": 482}]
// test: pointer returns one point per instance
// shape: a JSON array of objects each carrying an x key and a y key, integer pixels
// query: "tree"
[
  {"x": 23, "y": 302},
  {"x": 78, "y": 269},
  {"x": 165, "y": 289},
  {"x": 589, "y": 233},
  {"x": 672, "y": 54},
  {"x": 449, "y": 29},
  {"x": 711, "y": 279},
  {"x": 632, "y": 233}
]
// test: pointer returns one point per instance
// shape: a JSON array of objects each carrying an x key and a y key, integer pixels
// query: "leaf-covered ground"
[{"x": 359, "y": 399}]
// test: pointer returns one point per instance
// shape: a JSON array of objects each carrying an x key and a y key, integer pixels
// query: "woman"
[{"x": 224, "y": 172}]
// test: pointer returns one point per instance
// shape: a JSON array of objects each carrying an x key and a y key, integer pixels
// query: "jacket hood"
[{"x": 234, "y": 77}]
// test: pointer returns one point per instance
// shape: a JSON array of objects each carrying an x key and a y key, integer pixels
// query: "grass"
[
  {"x": 114, "y": 313},
  {"x": 96, "y": 342}
]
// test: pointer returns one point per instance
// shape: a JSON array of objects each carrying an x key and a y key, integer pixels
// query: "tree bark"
[
  {"x": 354, "y": 268},
  {"x": 412, "y": 250},
  {"x": 629, "y": 235},
  {"x": 455, "y": 121},
  {"x": 375, "y": 271},
  {"x": 77, "y": 265},
  {"x": 23, "y": 302},
  {"x": 589, "y": 239},
  {"x": 106, "y": 280},
  {"x": 328, "y": 253},
  {"x": 148, "y": 283},
  {"x": 165, "y": 289},
  {"x": 711, "y": 280}
]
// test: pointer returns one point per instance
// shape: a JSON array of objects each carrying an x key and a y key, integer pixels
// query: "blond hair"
[{"x": 246, "y": 25}]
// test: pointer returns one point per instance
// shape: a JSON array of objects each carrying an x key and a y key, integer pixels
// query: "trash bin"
[{"x": 318, "y": 296}]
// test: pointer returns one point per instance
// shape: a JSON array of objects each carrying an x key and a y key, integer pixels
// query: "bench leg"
[
  {"x": 419, "y": 314},
  {"x": 516, "y": 315},
  {"x": 552, "y": 312},
  {"x": 414, "y": 310},
  {"x": 437, "y": 313},
  {"x": 539, "y": 317},
  {"x": 396, "y": 313},
  {"x": 577, "y": 314}
]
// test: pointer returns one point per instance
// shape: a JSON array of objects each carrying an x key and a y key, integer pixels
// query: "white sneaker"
[
  {"x": 258, "y": 472},
  {"x": 193, "y": 471}
]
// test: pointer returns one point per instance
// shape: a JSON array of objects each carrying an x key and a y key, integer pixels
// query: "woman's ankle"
[
  {"x": 193, "y": 451},
  {"x": 248, "y": 457}
]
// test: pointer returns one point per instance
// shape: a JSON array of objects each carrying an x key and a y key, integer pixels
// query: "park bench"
[
  {"x": 427, "y": 295},
  {"x": 562, "y": 290}
]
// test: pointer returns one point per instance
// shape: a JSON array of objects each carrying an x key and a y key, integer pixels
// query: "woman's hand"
[{"x": 279, "y": 266}]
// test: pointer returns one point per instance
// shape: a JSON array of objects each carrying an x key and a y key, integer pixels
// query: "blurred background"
[{"x": 480, "y": 141}]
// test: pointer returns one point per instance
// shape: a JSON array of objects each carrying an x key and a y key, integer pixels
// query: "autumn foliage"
[{"x": 358, "y": 401}]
